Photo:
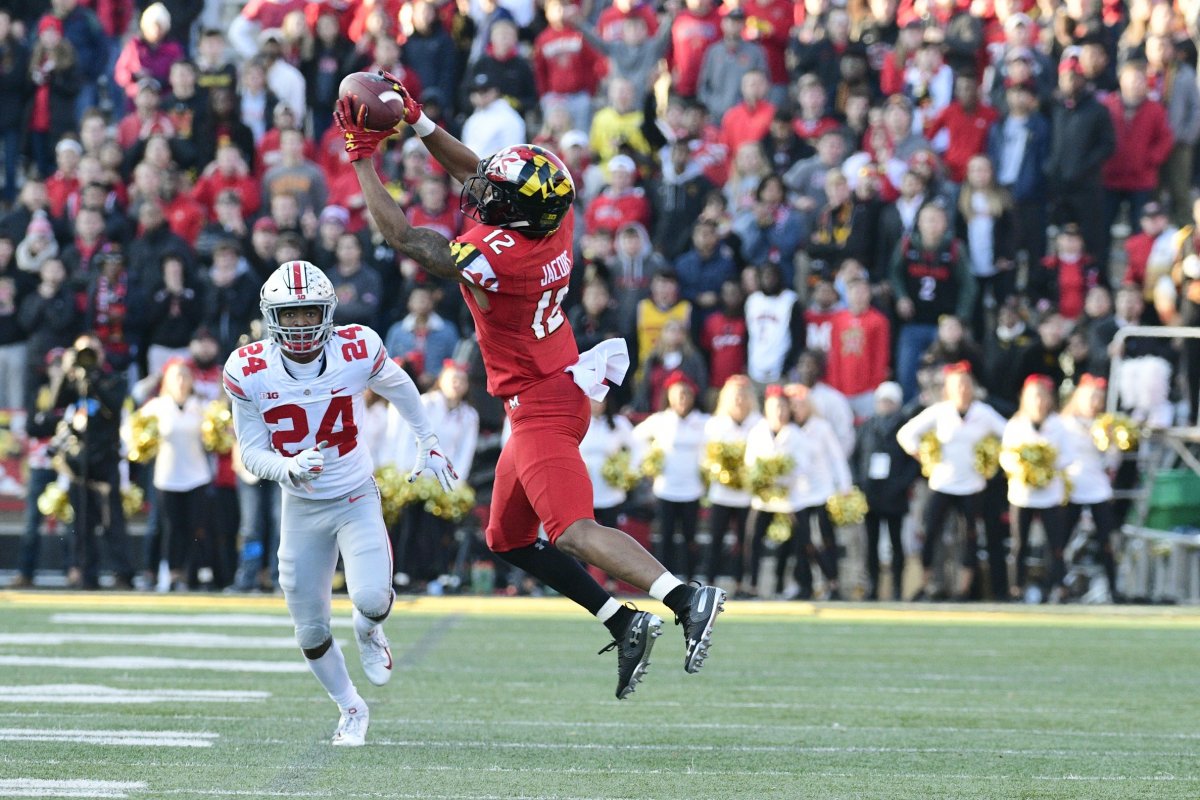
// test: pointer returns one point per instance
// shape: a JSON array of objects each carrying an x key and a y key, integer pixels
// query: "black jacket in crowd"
[
  {"x": 1081, "y": 140},
  {"x": 877, "y": 437}
]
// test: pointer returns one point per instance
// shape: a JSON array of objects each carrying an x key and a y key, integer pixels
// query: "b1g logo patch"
[{"x": 268, "y": 395}]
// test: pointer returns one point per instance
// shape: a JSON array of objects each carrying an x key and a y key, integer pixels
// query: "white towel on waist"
[{"x": 608, "y": 360}]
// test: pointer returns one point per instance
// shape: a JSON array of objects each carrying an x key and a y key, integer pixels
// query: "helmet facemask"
[{"x": 300, "y": 339}]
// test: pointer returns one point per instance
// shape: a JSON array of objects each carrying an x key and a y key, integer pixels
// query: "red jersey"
[
  {"x": 724, "y": 339},
  {"x": 819, "y": 329},
  {"x": 523, "y": 335},
  {"x": 860, "y": 351},
  {"x": 612, "y": 20},
  {"x": 690, "y": 37}
]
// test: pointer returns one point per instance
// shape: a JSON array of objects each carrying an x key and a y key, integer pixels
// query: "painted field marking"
[
  {"x": 93, "y": 694},
  {"x": 1052, "y": 616},
  {"x": 128, "y": 738},
  {"x": 222, "y": 641},
  {"x": 33, "y": 787},
  {"x": 139, "y": 663}
]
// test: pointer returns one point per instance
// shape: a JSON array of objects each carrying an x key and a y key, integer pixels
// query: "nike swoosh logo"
[
  {"x": 703, "y": 604},
  {"x": 360, "y": 497},
  {"x": 335, "y": 391}
]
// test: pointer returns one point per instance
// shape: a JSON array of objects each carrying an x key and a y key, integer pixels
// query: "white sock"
[
  {"x": 330, "y": 670},
  {"x": 663, "y": 585},
  {"x": 607, "y": 610},
  {"x": 363, "y": 625}
]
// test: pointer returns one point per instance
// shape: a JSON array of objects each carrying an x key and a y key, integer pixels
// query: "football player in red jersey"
[{"x": 514, "y": 268}]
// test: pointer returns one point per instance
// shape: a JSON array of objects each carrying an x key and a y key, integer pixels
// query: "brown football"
[{"x": 385, "y": 107}]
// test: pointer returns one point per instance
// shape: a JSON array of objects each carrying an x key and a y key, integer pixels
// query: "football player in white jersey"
[{"x": 297, "y": 399}]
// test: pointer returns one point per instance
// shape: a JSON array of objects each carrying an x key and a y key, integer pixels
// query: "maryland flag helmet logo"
[{"x": 523, "y": 187}]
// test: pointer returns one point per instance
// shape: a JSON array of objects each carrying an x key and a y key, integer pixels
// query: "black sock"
[
  {"x": 678, "y": 598},
  {"x": 560, "y": 572},
  {"x": 619, "y": 622}
]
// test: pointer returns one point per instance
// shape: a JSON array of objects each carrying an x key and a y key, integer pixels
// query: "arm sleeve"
[
  {"x": 842, "y": 479},
  {"x": 910, "y": 433},
  {"x": 393, "y": 383},
  {"x": 254, "y": 444},
  {"x": 464, "y": 457}
]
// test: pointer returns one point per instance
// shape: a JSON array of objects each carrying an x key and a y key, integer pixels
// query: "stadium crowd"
[{"x": 826, "y": 222}]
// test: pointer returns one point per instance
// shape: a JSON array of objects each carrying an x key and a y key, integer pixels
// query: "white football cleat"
[
  {"x": 376, "y": 655},
  {"x": 352, "y": 727}
]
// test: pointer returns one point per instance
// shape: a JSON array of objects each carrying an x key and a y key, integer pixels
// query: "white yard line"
[
  {"x": 205, "y": 640},
  {"x": 139, "y": 663},
  {"x": 128, "y": 738},
  {"x": 180, "y": 620},
  {"x": 33, "y": 787},
  {"x": 91, "y": 694}
]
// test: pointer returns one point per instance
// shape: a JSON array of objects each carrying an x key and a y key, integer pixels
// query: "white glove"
[
  {"x": 307, "y": 465},
  {"x": 428, "y": 458}
]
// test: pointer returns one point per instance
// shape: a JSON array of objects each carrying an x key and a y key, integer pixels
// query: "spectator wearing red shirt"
[
  {"x": 610, "y": 24},
  {"x": 149, "y": 54},
  {"x": 146, "y": 119},
  {"x": 1144, "y": 142},
  {"x": 433, "y": 209},
  {"x": 65, "y": 180},
  {"x": 723, "y": 338},
  {"x": 749, "y": 120},
  {"x": 262, "y": 15},
  {"x": 769, "y": 22},
  {"x": 267, "y": 154},
  {"x": 812, "y": 122},
  {"x": 860, "y": 349},
  {"x": 620, "y": 203},
  {"x": 1151, "y": 252},
  {"x": 966, "y": 122},
  {"x": 694, "y": 29},
  {"x": 228, "y": 172},
  {"x": 185, "y": 217},
  {"x": 565, "y": 67},
  {"x": 818, "y": 317},
  {"x": 1063, "y": 279}
]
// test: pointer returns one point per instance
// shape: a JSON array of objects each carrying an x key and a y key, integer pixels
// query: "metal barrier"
[{"x": 1157, "y": 565}]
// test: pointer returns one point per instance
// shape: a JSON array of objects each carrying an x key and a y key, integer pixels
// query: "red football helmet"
[{"x": 523, "y": 187}]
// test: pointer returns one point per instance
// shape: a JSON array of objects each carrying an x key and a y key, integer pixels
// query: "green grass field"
[{"x": 507, "y": 700}]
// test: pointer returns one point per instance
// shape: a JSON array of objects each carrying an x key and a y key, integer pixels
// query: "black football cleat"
[
  {"x": 697, "y": 622},
  {"x": 633, "y": 651}
]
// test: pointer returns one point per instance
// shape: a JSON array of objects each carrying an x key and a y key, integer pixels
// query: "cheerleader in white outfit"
[
  {"x": 960, "y": 423},
  {"x": 824, "y": 472},
  {"x": 607, "y": 435},
  {"x": 678, "y": 431},
  {"x": 1090, "y": 470},
  {"x": 1036, "y": 422},
  {"x": 182, "y": 470},
  {"x": 771, "y": 437},
  {"x": 736, "y": 414}
]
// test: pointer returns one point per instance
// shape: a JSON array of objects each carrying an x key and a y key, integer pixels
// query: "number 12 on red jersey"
[{"x": 548, "y": 316}]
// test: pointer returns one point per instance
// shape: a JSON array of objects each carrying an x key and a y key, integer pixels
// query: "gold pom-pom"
[
  {"x": 132, "y": 500},
  {"x": 617, "y": 471},
  {"x": 452, "y": 505},
  {"x": 1035, "y": 464},
  {"x": 987, "y": 457},
  {"x": 652, "y": 464},
  {"x": 392, "y": 492},
  {"x": 929, "y": 453},
  {"x": 1109, "y": 429},
  {"x": 780, "y": 528},
  {"x": 143, "y": 436},
  {"x": 849, "y": 508},
  {"x": 765, "y": 475},
  {"x": 216, "y": 429},
  {"x": 725, "y": 463},
  {"x": 54, "y": 503}
]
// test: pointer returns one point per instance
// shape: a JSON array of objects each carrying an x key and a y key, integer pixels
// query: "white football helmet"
[{"x": 298, "y": 283}]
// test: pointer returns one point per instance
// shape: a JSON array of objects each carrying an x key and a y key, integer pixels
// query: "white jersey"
[
  {"x": 768, "y": 322},
  {"x": 300, "y": 413}
]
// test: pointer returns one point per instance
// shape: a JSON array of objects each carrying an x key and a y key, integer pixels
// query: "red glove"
[
  {"x": 412, "y": 109},
  {"x": 360, "y": 142}
]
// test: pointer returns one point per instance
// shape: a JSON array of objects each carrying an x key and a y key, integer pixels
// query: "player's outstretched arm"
[
  {"x": 427, "y": 247},
  {"x": 454, "y": 156}
]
